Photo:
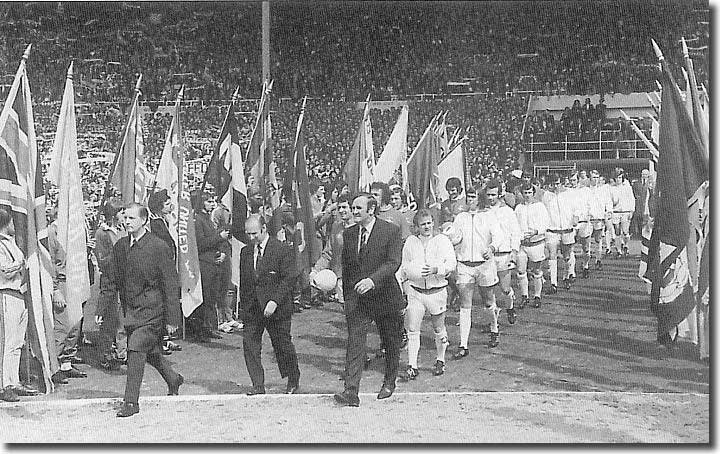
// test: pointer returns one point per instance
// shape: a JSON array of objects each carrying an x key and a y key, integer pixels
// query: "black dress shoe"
[
  {"x": 256, "y": 390},
  {"x": 175, "y": 387},
  {"x": 128, "y": 409},
  {"x": 74, "y": 373},
  {"x": 9, "y": 395},
  {"x": 59, "y": 378},
  {"x": 347, "y": 398},
  {"x": 292, "y": 388},
  {"x": 511, "y": 316},
  {"x": 385, "y": 392}
]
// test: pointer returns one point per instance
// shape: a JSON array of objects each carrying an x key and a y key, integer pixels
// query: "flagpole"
[{"x": 122, "y": 143}]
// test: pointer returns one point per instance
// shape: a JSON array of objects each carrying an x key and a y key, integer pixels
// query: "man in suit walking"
[
  {"x": 371, "y": 256},
  {"x": 147, "y": 280},
  {"x": 267, "y": 274}
]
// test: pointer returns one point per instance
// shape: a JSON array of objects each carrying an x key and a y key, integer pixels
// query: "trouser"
[
  {"x": 15, "y": 320},
  {"x": 226, "y": 294},
  {"x": 66, "y": 335},
  {"x": 301, "y": 287},
  {"x": 213, "y": 287},
  {"x": 109, "y": 308},
  {"x": 136, "y": 369},
  {"x": 358, "y": 323},
  {"x": 281, "y": 339}
]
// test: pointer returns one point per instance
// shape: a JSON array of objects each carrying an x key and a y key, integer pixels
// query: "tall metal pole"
[{"x": 266, "y": 41}]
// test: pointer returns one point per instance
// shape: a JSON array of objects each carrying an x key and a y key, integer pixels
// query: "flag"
[
  {"x": 360, "y": 168},
  {"x": 302, "y": 208},
  {"x": 181, "y": 221},
  {"x": 453, "y": 165},
  {"x": 129, "y": 174},
  {"x": 422, "y": 167},
  {"x": 395, "y": 152},
  {"x": 259, "y": 152},
  {"x": 64, "y": 172},
  {"x": 673, "y": 266},
  {"x": 22, "y": 193},
  {"x": 441, "y": 131},
  {"x": 227, "y": 175}
]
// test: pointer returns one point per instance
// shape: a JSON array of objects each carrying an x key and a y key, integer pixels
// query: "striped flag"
[
  {"x": 360, "y": 168},
  {"x": 227, "y": 175},
  {"x": 181, "y": 222},
  {"x": 22, "y": 192},
  {"x": 129, "y": 174},
  {"x": 64, "y": 172},
  {"x": 302, "y": 208},
  {"x": 422, "y": 167},
  {"x": 395, "y": 152},
  {"x": 677, "y": 240},
  {"x": 259, "y": 153}
]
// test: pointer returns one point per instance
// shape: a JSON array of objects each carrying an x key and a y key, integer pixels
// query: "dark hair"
[
  {"x": 372, "y": 203},
  {"x": 471, "y": 190},
  {"x": 5, "y": 218},
  {"x": 345, "y": 198},
  {"x": 553, "y": 177},
  {"x": 111, "y": 208},
  {"x": 453, "y": 182},
  {"x": 313, "y": 186},
  {"x": 385, "y": 188},
  {"x": 157, "y": 200},
  {"x": 422, "y": 213},
  {"x": 340, "y": 184},
  {"x": 482, "y": 199},
  {"x": 494, "y": 184},
  {"x": 527, "y": 186}
]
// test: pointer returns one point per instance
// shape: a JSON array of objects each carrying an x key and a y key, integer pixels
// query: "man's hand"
[
  {"x": 364, "y": 286},
  {"x": 58, "y": 301},
  {"x": 513, "y": 256},
  {"x": 270, "y": 308},
  {"x": 428, "y": 270},
  {"x": 99, "y": 320},
  {"x": 224, "y": 234},
  {"x": 487, "y": 255},
  {"x": 220, "y": 258},
  {"x": 171, "y": 329}
]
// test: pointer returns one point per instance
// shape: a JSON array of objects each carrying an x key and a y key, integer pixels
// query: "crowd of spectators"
[
  {"x": 346, "y": 50},
  {"x": 337, "y": 55}
]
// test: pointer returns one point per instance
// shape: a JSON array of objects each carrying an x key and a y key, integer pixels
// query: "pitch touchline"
[{"x": 217, "y": 397}]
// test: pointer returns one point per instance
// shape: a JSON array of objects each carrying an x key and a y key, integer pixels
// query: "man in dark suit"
[
  {"x": 267, "y": 274},
  {"x": 147, "y": 280},
  {"x": 371, "y": 256}
]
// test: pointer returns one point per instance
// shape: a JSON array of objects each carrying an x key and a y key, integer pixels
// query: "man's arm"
[
  {"x": 393, "y": 256},
  {"x": 171, "y": 285}
]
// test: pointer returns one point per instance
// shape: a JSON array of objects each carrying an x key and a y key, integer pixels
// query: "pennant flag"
[
  {"x": 395, "y": 152},
  {"x": 181, "y": 221},
  {"x": 129, "y": 174},
  {"x": 677, "y": 235},
  {"x": 301, "y": 202},
  {"x": 453, "y": 165},
  {"x": 422, "y": 167},
  {"x": 64, "y": 172},
  {"x": 227, "y": 175},
  {"x": 259, "y": 153},
  {"x": 441, "y": 132},
  {"x": 698, "y": 111},
  {"x": 360, "y": 168},
  {"x": 22, "y": 193}
]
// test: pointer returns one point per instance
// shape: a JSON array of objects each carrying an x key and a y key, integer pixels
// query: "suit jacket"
[
  {"x": 273, "y": 280},
  {"x": 147, "y": 280},
  {"x": 379, "y": 260},
  {"x": 209, "y": 241}
]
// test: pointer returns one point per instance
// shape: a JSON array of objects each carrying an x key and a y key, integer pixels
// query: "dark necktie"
[
  {"x": 363, "y": 238},
  {"x": 258, "y": 256}
]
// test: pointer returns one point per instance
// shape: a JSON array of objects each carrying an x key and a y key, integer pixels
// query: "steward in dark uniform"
[{"x": 147, "y": 280}]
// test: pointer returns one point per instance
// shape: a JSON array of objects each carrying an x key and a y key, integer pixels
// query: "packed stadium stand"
[{"x": 481, "y": 61}]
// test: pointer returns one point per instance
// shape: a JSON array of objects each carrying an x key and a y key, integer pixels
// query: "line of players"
[{"x": 492, "y": 241}]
